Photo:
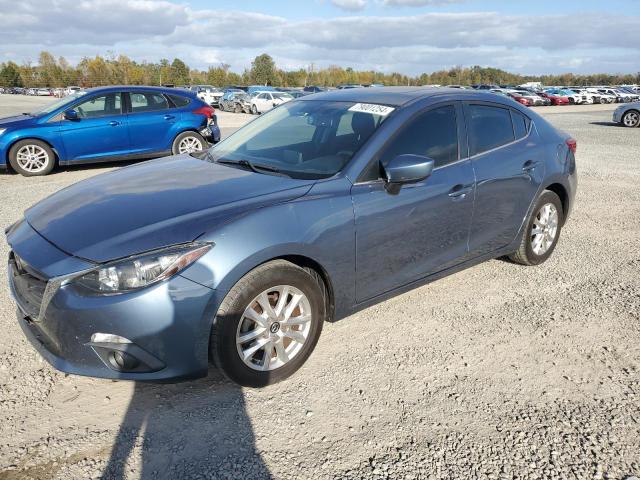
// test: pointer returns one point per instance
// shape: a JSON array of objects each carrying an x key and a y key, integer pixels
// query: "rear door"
[
  {"x": 151, "y": 121},
  {"x": 508, "y": 161},
  {"x": 99, "y": 131}
]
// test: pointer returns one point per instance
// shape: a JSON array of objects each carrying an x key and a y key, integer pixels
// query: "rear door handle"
[
  {"x": 460, "y": 191},
  {"x": 529, "y": 165},
  {"x": 113, "y": 123},
  {"x": 169, "y": 117}
]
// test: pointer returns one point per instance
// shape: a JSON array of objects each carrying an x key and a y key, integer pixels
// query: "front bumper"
[{"x": 167, "y": 326}]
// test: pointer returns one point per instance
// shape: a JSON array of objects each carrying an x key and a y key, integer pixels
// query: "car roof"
[
  {"x": 397, "y": 96},
  {"x": 140, "y": 88}
]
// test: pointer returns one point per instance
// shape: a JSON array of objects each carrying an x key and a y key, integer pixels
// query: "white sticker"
[{"x": 372, "y": 108}]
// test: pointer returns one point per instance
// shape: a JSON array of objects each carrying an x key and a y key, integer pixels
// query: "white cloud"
[
  {"x": 153, "y": 29},
  {"x": 418, "y": 3},
  {"x": 350, "y": 5}
]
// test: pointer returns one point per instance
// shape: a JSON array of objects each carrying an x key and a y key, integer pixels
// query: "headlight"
[
  {"x": 2, "y": 130},
  {"x": 142, "y": 270}
]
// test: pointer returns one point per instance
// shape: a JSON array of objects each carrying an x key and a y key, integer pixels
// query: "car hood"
[
  {"x": 15, "y": 121},
  {"x": 153, "y": 204}
]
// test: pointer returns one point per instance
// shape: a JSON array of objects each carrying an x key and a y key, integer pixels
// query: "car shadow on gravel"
[
  {"x": 606, "y": 124},
  {"x": 196, "y": 429}
]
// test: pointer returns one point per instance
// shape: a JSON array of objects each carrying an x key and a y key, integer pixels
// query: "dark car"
[
  {"x": 314, "y": 89},
  {"x": 106, "y": 124},
  {"x": 317, "y": 209}
]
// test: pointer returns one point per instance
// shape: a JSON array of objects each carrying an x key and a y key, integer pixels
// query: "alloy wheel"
[
  {"x": 631, "y": 119},
  {"x": 274, "y": 328},
  {"x": 32, "y": 158},
  {"x": 545, "y": 228},
  {"x": 189, "y": 145}
]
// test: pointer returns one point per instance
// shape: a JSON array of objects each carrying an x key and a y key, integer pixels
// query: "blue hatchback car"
[
  {"x": 321, "y": 207},
  {"x": 107, "y": 124}
]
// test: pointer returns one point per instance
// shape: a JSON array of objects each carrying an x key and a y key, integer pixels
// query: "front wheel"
[
  {"x": 631, "y": 119},
  {"x": 31, "y": 158},
  {"x": 254, "y": 109},
  {"x": 268, "y": 324},
  {"x": 542, "y": 231},
  {"x": 188, "y": 142}
]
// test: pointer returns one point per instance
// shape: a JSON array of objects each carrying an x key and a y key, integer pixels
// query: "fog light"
[{"x": 122, "y": 360}]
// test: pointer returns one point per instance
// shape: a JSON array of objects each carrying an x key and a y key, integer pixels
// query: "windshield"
[
  {"x": 58, "y": 103},
  {"x": 304, "y": 139}
]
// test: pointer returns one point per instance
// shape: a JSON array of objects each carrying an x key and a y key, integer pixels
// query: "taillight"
[
  {"x": 572, "y": 144},
  {"x": 205, "y": 110}
]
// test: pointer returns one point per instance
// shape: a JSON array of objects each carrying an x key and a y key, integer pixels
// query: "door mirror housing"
[
  {"x": 408, "y": 168},
  {"x": 71, "y": 114}
]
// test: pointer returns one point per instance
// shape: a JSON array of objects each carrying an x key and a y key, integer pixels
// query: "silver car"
[{"x": 628, "y": 115}]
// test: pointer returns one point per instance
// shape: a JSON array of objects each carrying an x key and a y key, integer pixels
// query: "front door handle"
[
  {"x": 529, "y": 165},
  {"x": 169, "y": 117},
  {"x": 113, "y": 123},
  {"x": 460, "y": 191}
]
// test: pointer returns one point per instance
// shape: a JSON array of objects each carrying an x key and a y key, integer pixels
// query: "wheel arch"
[
  {"x": 54, "y": 149},
  {"x": 562, "y": 192}
]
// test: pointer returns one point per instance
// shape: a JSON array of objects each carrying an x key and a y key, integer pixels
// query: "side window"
[
  {"x": 489, "y": 128},
  {"x": 147, "y": 102},
  {"x": 520, "y": 124},
  {"x": 179, "y": 101},
  {"x": 101, "y": 106},
  {"x": 433, "y": 134}
]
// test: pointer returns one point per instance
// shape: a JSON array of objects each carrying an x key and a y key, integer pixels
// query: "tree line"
[{"x": 54, "y": 72}]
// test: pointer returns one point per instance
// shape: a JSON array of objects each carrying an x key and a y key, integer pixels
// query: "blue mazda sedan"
[
  {"x": 319, "y": 208},
  {"x": 104, "y": 125}
]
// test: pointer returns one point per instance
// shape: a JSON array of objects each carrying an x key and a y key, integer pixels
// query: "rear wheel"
[
  {"x": 188, "y": 142},
  {"x": 32, "y": 158},
  {"x": 631, "y": 119},
  {"x": 542, "y": 231},
  {"x": 268, "y": 324},
  {"x": 254, "y": 109}
]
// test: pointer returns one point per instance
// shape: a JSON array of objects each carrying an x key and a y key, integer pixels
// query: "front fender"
[
  {"x": 47, "y": 134},
  {"x": 318, "y": 226}
]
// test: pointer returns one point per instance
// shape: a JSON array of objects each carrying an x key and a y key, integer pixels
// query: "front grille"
[{"x": 27, "y": 285}]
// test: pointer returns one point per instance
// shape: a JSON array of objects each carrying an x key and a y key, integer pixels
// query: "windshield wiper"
[{"x": 254, "y": 167}]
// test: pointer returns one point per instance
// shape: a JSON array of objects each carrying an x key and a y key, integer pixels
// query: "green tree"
[
  {"x": 263, "y": 70},
  {"x": 10, "y": 75},
  {"x": 180, "y": 72}
]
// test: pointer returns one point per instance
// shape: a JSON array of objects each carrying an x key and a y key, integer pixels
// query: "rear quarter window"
[{"x": 179, "y": 100}]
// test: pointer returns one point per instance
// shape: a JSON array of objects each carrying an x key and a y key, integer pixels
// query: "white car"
[
  {"x": 620, "y": 96},
  {"x": 43, "y": 92},
  {"x": 208, "y": 93},
  {"x": 71, "y": 90},
  {"x": 604, "y": 96},
  {"x": 264, "y": 101}
]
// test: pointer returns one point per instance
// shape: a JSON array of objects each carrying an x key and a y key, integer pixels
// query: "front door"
[
  {"x": 100, "y": 130},
  {"x": 424, "y": 228}
]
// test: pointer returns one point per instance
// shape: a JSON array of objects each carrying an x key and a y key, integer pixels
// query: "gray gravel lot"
[{"x": 497, "y": 372}]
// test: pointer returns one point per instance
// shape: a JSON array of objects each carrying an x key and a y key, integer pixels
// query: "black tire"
[
  {"x": 221, "y": 106},
  {"x": 38, "y": 146},
  {"x": 525, "y": 254},
  {"x": 627, "y": 121},
  {"x": 222, "y": 346},
  {"x": 254, "y": 109},
  {"x": 238, "y": 109},
  {"x": 175, "y": 147}
]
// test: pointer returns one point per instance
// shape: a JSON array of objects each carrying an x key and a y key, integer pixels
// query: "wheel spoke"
[
  {"x": 251, "y": 314},
  {"x": 281, "y": 352},
  {"x": 250, "y": 335},
  {"x": 293, "y": 304},
  {"x": 302, "y": 319},
  {"x": 263, "y": 301},
  {"x": 294, "y": 335},
  {"x": 268, "y": 354},
  {"x": 250, "y": 352},
  {"x": 282, "y": 300}
]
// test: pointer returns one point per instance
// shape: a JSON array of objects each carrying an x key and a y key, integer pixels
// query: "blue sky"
[{"x": 409, "y": 36}]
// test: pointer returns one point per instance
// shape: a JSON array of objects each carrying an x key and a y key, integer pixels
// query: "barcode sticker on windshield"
[{"x": 372, "y": 108}]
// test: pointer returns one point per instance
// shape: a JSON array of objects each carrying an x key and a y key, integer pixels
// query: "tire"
[
  {"x": 631, "y": 118},
  {"x": 237, "y": 109},
  {"x": 526, "y": 253},
  {"x": 254, "y": 109},
  {"x": 231, "y": 323},
  {"x": 188, "y": 142},
  {"x": 32, "y": 158}
]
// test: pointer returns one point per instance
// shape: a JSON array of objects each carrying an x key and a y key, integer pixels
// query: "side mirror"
[
  {"x": 70, "y": 115},
  {"x": 408, "y": 168}
]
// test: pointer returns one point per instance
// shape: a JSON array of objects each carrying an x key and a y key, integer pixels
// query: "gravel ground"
[{"x": 496, "y": 372}]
